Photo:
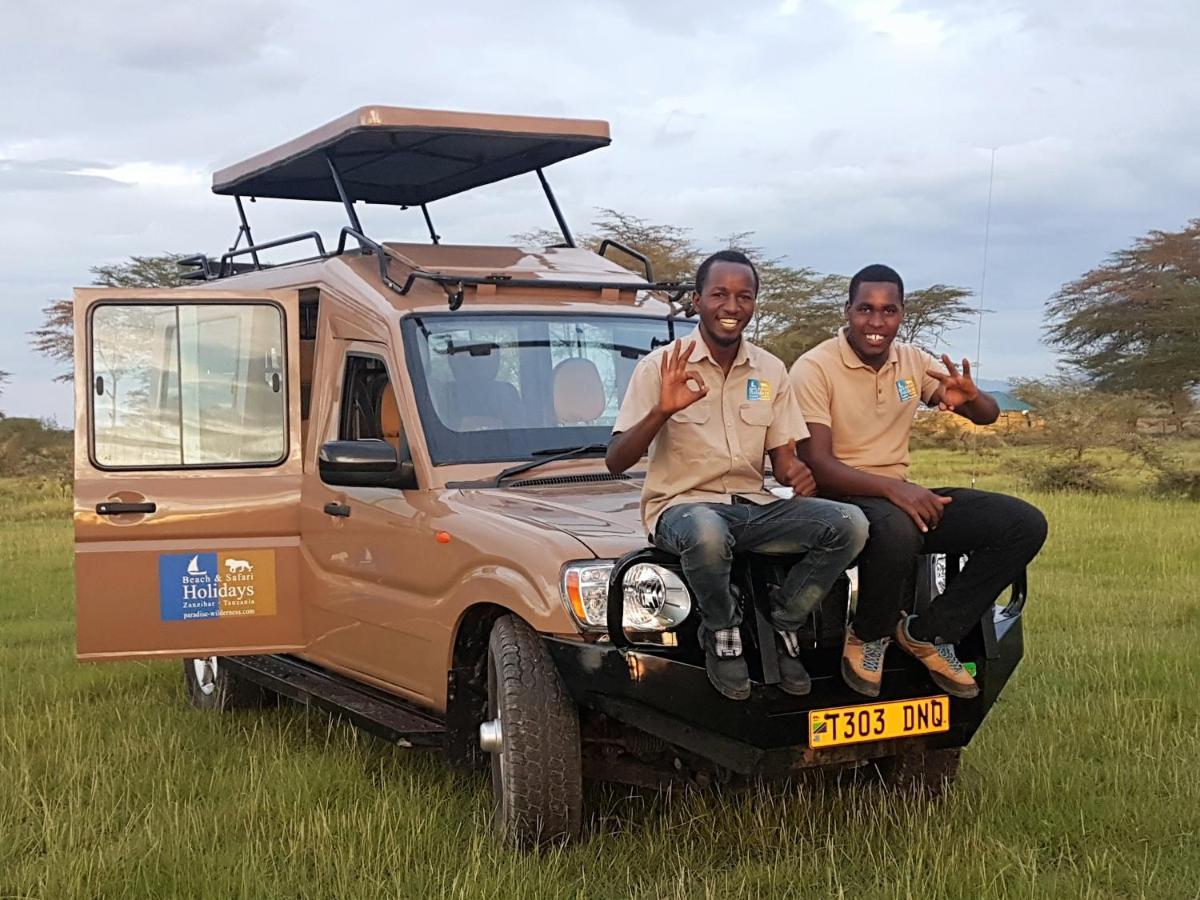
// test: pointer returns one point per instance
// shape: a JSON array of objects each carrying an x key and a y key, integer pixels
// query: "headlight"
[
  {"x": 939, "y": 572},
  {"x": 655, "y": 598}
]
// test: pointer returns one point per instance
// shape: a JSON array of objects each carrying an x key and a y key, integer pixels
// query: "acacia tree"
[
  {"x": 669, "y": 248},
  {"x": 930, "y": 312},
  {"x": 798, "y": 307},
  {"x": 56, "y": 338},
  {"x": 1133, "y": 323}
]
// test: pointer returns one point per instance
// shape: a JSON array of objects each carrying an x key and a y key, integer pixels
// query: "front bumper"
[{"x": 664, "y": 695}]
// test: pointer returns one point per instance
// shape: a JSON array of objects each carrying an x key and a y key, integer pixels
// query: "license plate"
[{"x": 877, "y": 721}]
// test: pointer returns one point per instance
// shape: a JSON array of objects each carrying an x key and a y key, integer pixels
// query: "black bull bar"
[{"x": 664, "y": 690}]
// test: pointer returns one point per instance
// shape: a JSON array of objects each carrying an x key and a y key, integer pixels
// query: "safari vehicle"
[{"x": 371, "y": 479}]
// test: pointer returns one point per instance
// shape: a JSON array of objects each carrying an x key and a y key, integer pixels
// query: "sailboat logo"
[{"x": 193, "y": 567}]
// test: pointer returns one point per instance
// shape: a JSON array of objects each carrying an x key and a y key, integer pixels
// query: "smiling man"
[
  {"x": 708, "y": 410},
  {"x": 859, "y": 392}
]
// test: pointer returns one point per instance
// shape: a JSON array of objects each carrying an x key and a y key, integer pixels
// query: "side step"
[{"x": 372, "y": 710}]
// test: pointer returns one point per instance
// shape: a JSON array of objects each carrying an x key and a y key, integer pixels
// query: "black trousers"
[{"x": 1001, "y": 533}]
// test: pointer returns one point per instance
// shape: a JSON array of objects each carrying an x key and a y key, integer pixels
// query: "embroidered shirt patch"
[
  {"x": 906, "y": 388},
  {"x": 757, "y": 389}
]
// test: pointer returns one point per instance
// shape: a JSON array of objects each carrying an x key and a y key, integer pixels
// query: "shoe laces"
[
  {"x": 946, "y": 652},
  {"x": 873, "y": 652}
]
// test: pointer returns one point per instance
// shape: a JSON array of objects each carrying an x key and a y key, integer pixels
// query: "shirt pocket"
[
  {"x": 752, "y": 429},
  {"x": 757, "y": 415}
]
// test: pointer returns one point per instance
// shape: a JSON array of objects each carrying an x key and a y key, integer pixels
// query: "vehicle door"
[
  {"x": 369, "y": 610},
  {"x": 187, "y": 472}
]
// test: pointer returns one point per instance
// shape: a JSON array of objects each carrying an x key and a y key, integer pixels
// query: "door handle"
[
  {"x": 337, "y": 509},
  {"x": 117, "y": 507}
]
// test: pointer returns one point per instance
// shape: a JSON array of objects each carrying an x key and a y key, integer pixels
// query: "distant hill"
[
  {"x": 27, "y": 447},
  {"x": 994, "y": 384}
]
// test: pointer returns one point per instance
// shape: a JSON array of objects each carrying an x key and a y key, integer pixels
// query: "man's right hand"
[
  {"x": 923, "y": 506},
  {"x": 676, "y": 393}
]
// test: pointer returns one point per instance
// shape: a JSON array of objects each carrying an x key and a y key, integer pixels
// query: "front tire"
[
  {"x": 537, "y": 781},
  {"x": 211, "y": 686}
]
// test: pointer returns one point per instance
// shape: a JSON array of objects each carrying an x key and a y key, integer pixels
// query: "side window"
[
  {"x": 189, "y": 384},
  {"x": 370, "y": 410}
]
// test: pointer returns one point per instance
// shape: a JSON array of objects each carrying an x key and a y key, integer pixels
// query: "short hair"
[
  {"x": 729, "y": 256},
  {"x": 876, "y": 272}
]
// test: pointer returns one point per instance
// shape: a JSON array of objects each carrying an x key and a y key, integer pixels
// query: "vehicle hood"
[{"x": 604, "y": 516}]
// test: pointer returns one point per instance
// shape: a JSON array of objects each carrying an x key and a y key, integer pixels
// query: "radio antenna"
[{"x": 987, "y": 232}]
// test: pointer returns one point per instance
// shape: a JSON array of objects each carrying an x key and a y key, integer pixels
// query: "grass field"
[{"x": 1084, "y": 782}]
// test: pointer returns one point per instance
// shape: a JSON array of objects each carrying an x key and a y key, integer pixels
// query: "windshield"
[{"x": 503, "y": 386}]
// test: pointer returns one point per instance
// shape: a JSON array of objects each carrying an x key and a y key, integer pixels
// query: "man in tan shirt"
[
  {"x": 859, "y": 392},
  {"x": 708, "y": 409}
]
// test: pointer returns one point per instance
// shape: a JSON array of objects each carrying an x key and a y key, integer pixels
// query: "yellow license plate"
[{"x": 877, "y": 721}]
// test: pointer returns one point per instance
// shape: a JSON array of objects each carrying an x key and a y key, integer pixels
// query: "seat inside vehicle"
[
  {"x": 475, "y": 398},
  {"x": 578, "y": 391}
]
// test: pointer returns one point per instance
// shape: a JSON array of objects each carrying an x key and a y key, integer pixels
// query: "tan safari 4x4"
[{"x": 372, "y": 479}]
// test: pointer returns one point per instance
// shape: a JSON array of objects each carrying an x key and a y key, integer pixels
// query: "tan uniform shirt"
[
  {"x": 870, "y": 413},
  {"x": 714, "y": 448}
]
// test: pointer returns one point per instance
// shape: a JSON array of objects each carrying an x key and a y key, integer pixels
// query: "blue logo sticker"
[
  {"x": 757, "y": 389},
  {"x": 907, "y": 389},
  {"x": 187, "y": 587}
]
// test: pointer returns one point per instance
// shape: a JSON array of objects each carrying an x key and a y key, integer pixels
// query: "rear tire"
[
  {"x": 537, "y": 781},
  {"x": 212, "y": 686},
  {"x": 927, "y": 773}
]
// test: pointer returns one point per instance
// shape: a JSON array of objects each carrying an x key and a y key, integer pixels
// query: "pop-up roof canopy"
[{"x": 409, "y": 157}]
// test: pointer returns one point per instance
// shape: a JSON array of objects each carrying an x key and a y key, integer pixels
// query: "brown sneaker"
[
  {"x": 862, "y": 663},
  {"x": 945, "y": 669}
]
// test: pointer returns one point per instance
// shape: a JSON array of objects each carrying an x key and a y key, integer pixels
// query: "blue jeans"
[{"x": 706, "y": 535}]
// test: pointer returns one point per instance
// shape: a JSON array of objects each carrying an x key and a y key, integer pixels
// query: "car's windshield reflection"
[{"x": 493, "y": 387}]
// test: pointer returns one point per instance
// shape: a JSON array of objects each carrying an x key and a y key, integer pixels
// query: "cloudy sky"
[{"x": 841, "y": 132}]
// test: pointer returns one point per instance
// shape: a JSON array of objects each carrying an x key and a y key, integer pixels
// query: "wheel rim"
[{"x": 205, "y": 670}]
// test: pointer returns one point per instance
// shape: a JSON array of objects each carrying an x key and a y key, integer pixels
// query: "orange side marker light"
[{"x": 442, "y": 537}]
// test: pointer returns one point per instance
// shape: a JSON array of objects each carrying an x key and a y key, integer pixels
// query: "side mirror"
[{"x": 365, "y": 464}]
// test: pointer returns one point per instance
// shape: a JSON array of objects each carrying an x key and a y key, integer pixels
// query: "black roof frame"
[{"x": 454, "y": 285}]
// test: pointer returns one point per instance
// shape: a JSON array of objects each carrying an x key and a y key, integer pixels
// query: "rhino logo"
[{"x": 238, "y": 565}]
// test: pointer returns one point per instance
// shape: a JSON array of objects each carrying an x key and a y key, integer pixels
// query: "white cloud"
[
  {"x": 149, "y": 174},
  {"x": 919, "y": 30}
]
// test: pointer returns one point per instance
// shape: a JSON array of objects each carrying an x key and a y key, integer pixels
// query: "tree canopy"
[
  {"x": 670, "y": 248},
  {"x": 1133, "y": 323},
  {"x": 798, "y": 307},
  {"x": 930, "y": 312},
  {"x": 56, "y": 338}
]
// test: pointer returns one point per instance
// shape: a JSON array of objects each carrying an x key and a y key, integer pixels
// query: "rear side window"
[{"x": 188, "y": 385}]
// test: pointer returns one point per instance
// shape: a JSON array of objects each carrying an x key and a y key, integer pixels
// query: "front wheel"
[
  {"x": 210, "y": 685},
  {"x": 533, "y": 738}
]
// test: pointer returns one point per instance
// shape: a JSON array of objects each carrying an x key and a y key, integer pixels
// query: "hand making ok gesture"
[
  {"x": 957, "y": 389},
  {"x": 676, "y": 393}
]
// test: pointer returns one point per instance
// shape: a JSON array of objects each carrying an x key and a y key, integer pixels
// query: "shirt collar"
[
  {"x": 852, "y": 360},
  {"x": 701, "y": 351}
]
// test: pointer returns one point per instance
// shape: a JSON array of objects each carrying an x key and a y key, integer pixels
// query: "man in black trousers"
[{"x": 859, "y": 392}]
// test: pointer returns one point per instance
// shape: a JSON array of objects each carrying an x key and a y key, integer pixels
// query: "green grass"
[{"x": 1084, "y": 782}]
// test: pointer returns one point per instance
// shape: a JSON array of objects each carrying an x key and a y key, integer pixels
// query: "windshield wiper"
[{"x": 551, "y": 454}]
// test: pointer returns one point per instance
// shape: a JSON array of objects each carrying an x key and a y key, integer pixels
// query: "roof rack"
[
  {"x": 410, "y": 157},
  {"x": 455, "y": 285}
]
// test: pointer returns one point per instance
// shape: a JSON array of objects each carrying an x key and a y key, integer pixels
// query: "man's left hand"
[
  {"x": 799, "y": 478},
  {"x": 957, "y": 390}
]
